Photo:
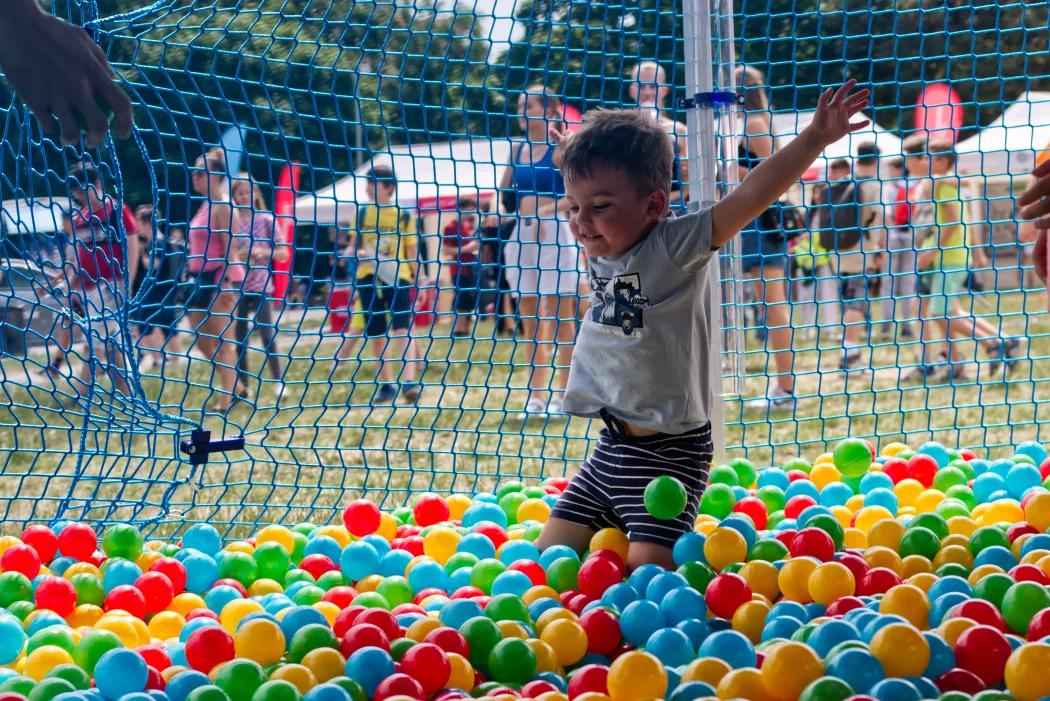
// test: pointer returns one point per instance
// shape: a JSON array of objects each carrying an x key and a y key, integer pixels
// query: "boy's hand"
[
  {"x": 560, "y": 138},
  {"x": 835, "y": 109}
]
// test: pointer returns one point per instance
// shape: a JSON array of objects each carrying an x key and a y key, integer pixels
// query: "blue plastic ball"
[
  {"x": 664, "y": 583},
  {"x": 858, "y": 668},
  {"x": 691, "y": 691},
  {"x": 671, "y": 646},
  {"x": 369, "y": 666},
  {"x": 984, "y": 486},
  {"x": 640, "y": 620},
  {"x": 477, "y": 545},
  {"x": 1033, "y": 450},
  {"x": 201, "y": 571},
  {"x": 835, "y": 494},
  {"x": 327, "y": 692},
  {"x": 620, "y": 595},
  {"x": 773, "y": 477},
  {"x": 514, "y": 550},
  {"x": 183, "y": 683},
  {"x": 193, "y": 626},
  {"x": 895, "y": 690},
  {"x": 689, "y": 548},
  {"x": 509, "y": 582},
  {"x": 394, "y": 563},
  {"x": 323, "y": 545},
  {"x": 203, "y": 538},
  {"x": 941, "y": 656},
  {"x": 1021, "y": 478},
  {"x": 829, "y": 634},
  {"x": 458, "y": 611},
  {"x": 120, "y": 672},
  {"x": 119, "y": 572},
  {"x": 299, "y": 617},
  {"x": 995, "y": 555},
  {"x": 936, "y": 451},
  {"x": 875, "y": 480},
  {"x": 429, "y": 575},
  {"x": 12, "y": 638},
  {"x": 731, "y": 647},
  {"x": 695, "y": 629},
  {"x": 780, "y": 627},
  {"x": 683, "y": 604},
  {"x": 217, "y": 597}
]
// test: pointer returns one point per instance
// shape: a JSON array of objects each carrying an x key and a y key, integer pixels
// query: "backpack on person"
[{"x": 838, "y": 217}]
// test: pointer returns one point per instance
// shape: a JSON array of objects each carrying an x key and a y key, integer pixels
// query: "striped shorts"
[{"x": 608, "y": 490}]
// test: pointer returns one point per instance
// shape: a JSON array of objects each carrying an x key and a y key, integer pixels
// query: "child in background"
[
  {"x": 460, "y": 248},
  {"x": 642, "y": 361}
]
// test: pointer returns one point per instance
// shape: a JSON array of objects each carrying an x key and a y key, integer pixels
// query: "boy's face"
[
  {"x": 379, "y": 191},
  {"x": 916, "y": 165},
  {"x": 939, "y": 165},
  {"x": 609, "y": 216}
]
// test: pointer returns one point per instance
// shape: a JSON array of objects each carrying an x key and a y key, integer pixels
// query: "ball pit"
[{"x": 894, "y": 574}]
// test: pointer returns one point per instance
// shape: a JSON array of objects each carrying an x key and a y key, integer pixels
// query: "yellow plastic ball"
[
  {"x": 146, "y": 559},
  {"x": 961, "y": 525},
  {"x": 43, "y": 659},
  {"x": 724, "y": 546},
  {"x": 843, "y": 514},
  {"x": 891, "y": 450},
  {"x": 869, "y": 516},
  {"x": 1032, "y": 557},
  {"x": 710, "y": 670},
  {"x": 276, "y": 534},
  {"x": 901, "y": 649},
  {"x": 457, "y": 505},
  {"x": 922, "y": 580},
  {"x": 913, "y": 565},
  {"x": 706, "y": 527},
  {"x": 955, "y": 539},
  {"x": 824, "y": 474},
  {"x": 589, "y": 696},
  {"x": 983, "y": 571},
  {"x": 462, "y": 676},
  {"x": 329, "y": 610},
  {"x": 908, "y": 602},
  {"x": 7, "y": 541},
  {"x": 882, "y": 557},
  {"x": 855, "y": 503},
  {"x": 534, "y": 510},
  {"x": 552, "y": 696},
  {"x": 166, "y": 625},
  {"x": 830, "y": 581},
  {"x": 387, "y": 527},
  {"x": 121, "y": 627},
  {"x": 240, "y": 546},
  {"x": 793, "y": 579},
  {"x": 749, "y": 618},
  {"x": 952, "y": 628},
  {"x": 85, "y": 615},
  {"x": 369, "y": 583},
  {"x": 546, "y": 660},
  {"x": 260, "y": 640},
  {"x": 568, "y": 640},
  {"x": 886, "y": 533},
  {"x": 297, "y": 675},
  {"x": 339, "y": 533},
  {"x": 636, "y": 675},
  {"x": 1004, "y": 511},
  {"x": 956, "y": 554},
  {"x": 262, "y": 587},
  {"x": 928, "y": 500},
  {"x": 762, "y": 576},
  {"x": 551, "y": 615},
  {"x": 854, "y": 538},
  {"x": 324, "y": 663},
  {"x": 1037, "y": 510},
  {"x": 185, "y": 602},
  {"x": 540, "y": 591},
  {"x": 743, "y": 683},
  {"x": 441, "y": 543},
  {"x": 1026, "y": 676},
  {"x": 512, "y": 629},
  {"x": 81, "y": 568},
  {"x": 172, "y": 672},
  {"x": 611, "y": 539},
  {"x": 908, "y": 491},
  {"x": 420, "y": 629},
  {"x": 788, "y": 669},
  {"x": 1019, "y": 542},
  {"x": 235, "y": 611}
]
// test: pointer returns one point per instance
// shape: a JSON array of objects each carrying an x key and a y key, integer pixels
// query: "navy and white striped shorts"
[{"x": 608, "y": 490}]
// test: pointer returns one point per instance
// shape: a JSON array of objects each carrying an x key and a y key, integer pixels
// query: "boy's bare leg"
[
  {"x": 558, "y": 531},
  {"x": 639, "y": 554}
]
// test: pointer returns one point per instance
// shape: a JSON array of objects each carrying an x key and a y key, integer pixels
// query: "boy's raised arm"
[{"x": 771, "y": 179}]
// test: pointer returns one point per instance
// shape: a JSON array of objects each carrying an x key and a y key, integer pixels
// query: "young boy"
[
  {"x": 387, "y": 248},
  {"x": 641, "y": 361}
]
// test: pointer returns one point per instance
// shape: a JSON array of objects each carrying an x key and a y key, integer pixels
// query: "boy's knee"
[{"x": 646, "y": 553}]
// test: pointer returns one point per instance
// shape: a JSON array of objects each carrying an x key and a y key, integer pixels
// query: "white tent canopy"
[
  {"x": 1008, "y": 145},
  {"x": 788, "y": 125},
  {"x": 426, "y": 173}
]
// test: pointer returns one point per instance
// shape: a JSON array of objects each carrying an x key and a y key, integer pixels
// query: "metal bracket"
[
  {"x": 200, "y": 446},
  {"x": 716, "y": 99}
]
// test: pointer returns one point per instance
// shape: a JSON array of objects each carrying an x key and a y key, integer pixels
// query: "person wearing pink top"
[{"x": 217, "y": 280}]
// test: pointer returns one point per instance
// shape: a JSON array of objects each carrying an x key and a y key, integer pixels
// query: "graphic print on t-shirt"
[{"x": 618, "y": 301}]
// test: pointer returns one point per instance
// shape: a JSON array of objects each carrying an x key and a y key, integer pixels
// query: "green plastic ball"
[
  {"x": 933, "y": 522},
  {"x": 208, "y": 692},
  {"x": 14, "y": 586},
  {"x": 510, "y": 503},
  {"x": 963, "y": 494},
  {"x": 272, "y": 561},
  {"x": 93, "y": 645},
  {"x": 950, "y": 508},
  {"x": 512, "y": 661},
  {"x": 1022, "y": 601},
  {"x": 273, "y": 690},
  {"x": 308, "y": 595},
  {"x": 350, "y": 686},
  {"x": 665, "y": 497},
  {"x": 239, "y": 566},
  {"x": 993, "y": 588},
  {"x": 399, "y": 647},
  {"x": 310, "y": 637},
  {"x": 482, "y": 634},
  {"x": 459, "y": 561},
  {"x": 395, "y": 590},
  {"x": 18, "y": 684},
  {"x": 773, "y": 497},
  {"x": 952, "y": 569},
  {"x": 830, "y": 525},
  {"x": 718, "y": 500},
  {"x": 768, "y": 550},
  {"x": 948, "y": 477},
  {"x": 483, "y": 574},
  {"x": 59, "y": 636},
  {"x": 746, "y": 474},
  {"x": 507, "y": 607},
  {"x": 508, "y": 488},
  {"x": 564, "y": 574},
  {"x": 72, "y": 674},
  {"x": 698, "y": 574},
  {"x": 240, "y": 678},
  {"x": 920, "y": 541},
  {"x": 122, "y": 540},
  {"x": 852, "y": 457},
  {"x": 332, "y": 578},
  {"x": 826, "y": 689},
  {"x": 49, "y": 688},
  {"x": 297, "y": 575},
  {"x": 371, "y": 600},
  {"x": 797, "y": 464},
  {"x": 89, "y": 588},
  {"x": 723, "y": 474}
]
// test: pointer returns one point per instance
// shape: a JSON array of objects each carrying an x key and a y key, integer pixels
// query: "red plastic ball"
[
  {"x": 602, "y": 629},
  {"x": 412, "y": 544},
  {"x": 399, "y": 685},
  {"x": 982, "y": 612},
  {"x": 126, "y": 598},
  {"x": 1044, "y": 471},
  {"x": 21, "y": 558},
  {"x": 402, "y": 609},
  {"x": 923, "y": 468},
  {"x": 786, "y": 536},
  {"x": 208, "y": 647},
  {"x": 361, "y": 517},
  {"x": 577, "y": 603},
  {"x": 317, "y": 564},
  {"x": 469, "y": 592},
  {"x": 797, "y": 504},
  {"x": 430, "y": 509},
  {"x": 156, "y": 589},
  {"x": 840, "y": 606},
  {"x": 78, "y": 541},
  {"x": 155, "y": 655},
  {"x": 796, "y": 475},
  {"x": 592, "y": 678},
  {"x": 449, "y": 640},
  {"x": 597, "y": 574},
  {"x": 346, "y": 619},
  {"x": 877, "y": 580},
  {"x": 559, "y": 483},
  {"x": 537, "y": 687},
  {"x": 43, "y": 540},
  {"x": 533, "y": 570},
  {"x": 960, "y": 680},
  {"x": 1019, "y": 529},
  {"x": 202, "y": 613},
  {"x": 228, "y": 582},
  {"x": 854, "y": 563},
  {"x": 726, "y": 593},
  {"x": 154, "y": 679},
  {"x": 1039, "y": 626},
  {"x": 1029, "y": 573},
  {"x": 384, "y": 620},
  {"x": 813, "y": 542},
  {"x": 497, "y": 535},
  {"x": 983, "y": 650},
  {"x": 174, "y": 570},
  {"x": 56, "y": 594},
  {"x": 428, "y": 664},
  {"x": 341, "y": 596},
  {"x": 896, "y": 469},
  {"x": 755, "y": 509},
  {"x": 363, "y": 635}
]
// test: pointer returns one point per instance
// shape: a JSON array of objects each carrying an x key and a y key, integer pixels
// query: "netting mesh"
[{"x": 354, "y": 290}]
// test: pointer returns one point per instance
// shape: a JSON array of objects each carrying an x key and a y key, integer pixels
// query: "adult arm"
[
  {"x": 1035, "y": 203},
  {"x": 776, "y": 174},
  {"x": 59, "y": 72}
]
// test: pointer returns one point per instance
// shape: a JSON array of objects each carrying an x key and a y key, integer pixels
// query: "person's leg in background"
[
  {"x": 854, "y": 302},
  {"x": 247, "y": 307},
  {"x": 534, "y": 329}
]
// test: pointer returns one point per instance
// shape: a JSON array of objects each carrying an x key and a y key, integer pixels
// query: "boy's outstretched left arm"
[{"x": 771, "y": 179}]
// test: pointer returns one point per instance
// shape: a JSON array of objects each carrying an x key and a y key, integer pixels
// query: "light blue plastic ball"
[
  {"x": 217, "y": 597},
  {"x": 514, "y": 550},
  {"x": 742, "y": 525},
  {"x": 856, "y": 667},
  {"x": 664, "y": 583},
  {"x": 323, "y": 545},
  {"x": 183, "y": 683},
  {"x": 731, "y": 647},
  {"x": 458, "y": 611},
  {"x": 119, "y": 672},
  {"x": 875, "y": 480},
  {"x": 696, "y": 630},
  {"x": 1033, "y": 450},
  {"x": 327, "y": 692},
  {"x": 369, "y": 666},
  {"x": 941, "y": 656},
  {"x": 358, "y": 560},
  {"x": 895, "y": 690},
  {"x": 802, "y": 487},
  {"x": 12, "y": 638},
  {"x": 640, "y": 620},
  {"x": 689, "y": 548},
  {"x": 691, "y": 691},
  {"x": 1021, "y": 478},
  {"x": 880, "y": 496},
  {"x": 201, "y": 571},
  {"x": 119, "y": 572},
  {"x": 195, "y": 625},
  {"x": 477, "y": 545},
  {"x": 299, "y": 617},
  {"x": 204, "y": 538},
  {"x": 829, "y": 634},
  {"x": 620, "y": 595},
  {"x": 996, "y": 555},
  {"x": 394, "y": 563},
  {"x": 936, "y": 451},
  {"x": 479, "y": 512},
  {"x": 780, "y": 627},
  {"x": 683, "y": 604},
  {"x": 984, "y": 486},
  {"x": 835, "y": 494},
  {"x": 428, "y": 575},
  {"x": 510, "y": 582},
  {"x": 773, "y": 477},
  {"x": 671, "y": 646}
]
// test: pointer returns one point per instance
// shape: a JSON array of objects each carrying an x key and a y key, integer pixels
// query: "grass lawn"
[{"x": 325, "y": 443}]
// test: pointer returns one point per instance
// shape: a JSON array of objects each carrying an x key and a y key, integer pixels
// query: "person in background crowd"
[
  {"x": 98, "y": 227},
  {"x": 216, "y": 277},
  {"x": 341, "y": 298},
  {"x": 755, "y": 113},
  {"x": 543, "y": 260},
  {"x": 159, "y": 267},
  {"x": 899, "y": 301},
  {"x": 650, "y": 89},
  {"x": 943, "y": 262},
  {"x": 460, "y": 251},
  {"x": 387, "y": 270},
  {"x": 253, "y": 245},
  {"x": 866, "y": 169},
  {"x": 58, "y": 270},
  {"x": 1035, "y": 207}
]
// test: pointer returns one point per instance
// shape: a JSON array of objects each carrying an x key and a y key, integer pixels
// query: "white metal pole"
[{"x": 708, "y": 35}]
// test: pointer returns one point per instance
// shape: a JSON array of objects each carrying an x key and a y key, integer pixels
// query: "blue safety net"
[{"x": 317, "y": 243}]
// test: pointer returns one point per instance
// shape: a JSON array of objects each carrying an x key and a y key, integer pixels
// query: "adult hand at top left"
[
  {"x": 835, "y": 110},
  {"x": 61, "y": 74}
]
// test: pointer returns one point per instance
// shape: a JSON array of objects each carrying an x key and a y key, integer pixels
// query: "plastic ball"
[
  {"x": 209, "y": 647},
  {"x": 852, "y": 457},
  {"x": 636, "y": 675},
  {"x": 901, "y": 649},
  {"x": 512, "y": 661},
  {"x": 120, "y": 672},
  {"x": 830, "y": 581},
  {"x": 788, "y": 669},
  {"x": 724, "y": 546},
  {"x": 361, "y": 517},
  {"x": 665, "y": 498},
  {"x": 726, "y": 593},
  {"x": 984, "y": 651}
]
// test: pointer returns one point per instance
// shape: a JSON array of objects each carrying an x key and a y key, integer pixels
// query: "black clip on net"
[
  {"x": 716, "y": 99},
  {"x": 200, "y": 446}
]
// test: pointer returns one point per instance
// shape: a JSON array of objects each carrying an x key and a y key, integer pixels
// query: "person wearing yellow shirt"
[
  {"x": 943, "y": 263},
  {"x": 387, "y": 254}
]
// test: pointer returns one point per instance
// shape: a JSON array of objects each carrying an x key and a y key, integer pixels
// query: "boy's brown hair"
[
  {"x": 630, "y": 140},
  {"x": 915, "y": 144},
  {"x": 941, "y": 148}
]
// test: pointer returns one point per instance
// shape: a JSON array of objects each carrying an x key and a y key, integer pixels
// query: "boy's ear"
[{"x": 658, "y": 201}]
